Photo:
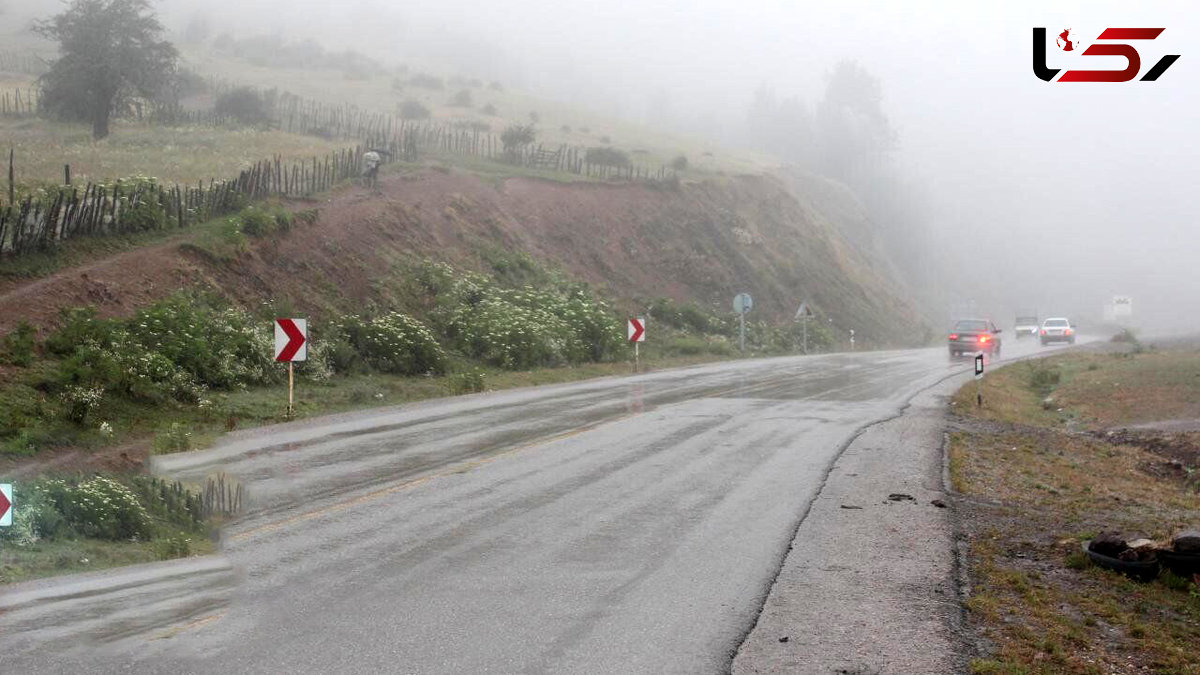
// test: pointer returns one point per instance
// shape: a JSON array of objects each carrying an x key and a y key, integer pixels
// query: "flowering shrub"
[
  {"x": 527, "y": 327},
  {"x": 175, "y": 438},
  {"x": 99, "y": 507},
  {"x": 221, "y": 347},
  {"x": 392, "y": 343},
  {"x": 174, "y": 349},
  {"x": 106, "y": 509},
  {"x": 25, "y": 530},
  {"x": 80, "y": 402},
  {"x": 261, "y": 221},
  {"x": 468, "y": 382}
]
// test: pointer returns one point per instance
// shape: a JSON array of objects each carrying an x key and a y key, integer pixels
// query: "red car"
[{"x": 974, "y": 335}]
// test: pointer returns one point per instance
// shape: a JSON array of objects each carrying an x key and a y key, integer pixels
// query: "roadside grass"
[
  {"x": 1094, "y": 390},
  {"x": 177, "y": 154},
  {"x": 1034, "y": 492},
  {"x": 49, "y": 558}
]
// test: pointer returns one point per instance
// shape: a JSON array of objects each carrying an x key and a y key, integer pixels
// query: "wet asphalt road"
[{"x": 622, "y": 525}]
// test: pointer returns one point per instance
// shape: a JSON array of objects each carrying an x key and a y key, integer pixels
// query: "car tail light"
[
  {"x": 984, "y": 338},
  {"x": 1042, "y": 332},
  {"x": 1067, "y": 331},
  {"x": 954, "y": 336}
]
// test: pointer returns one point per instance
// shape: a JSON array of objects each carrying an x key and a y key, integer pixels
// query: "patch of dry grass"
[
  {"x": 1034, "y": 492},
  {"x": 171, "y": 154},
  {"x": 1097, "y": 390}
]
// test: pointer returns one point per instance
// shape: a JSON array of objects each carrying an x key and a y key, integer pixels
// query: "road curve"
[{"x": 620, "y": 525}]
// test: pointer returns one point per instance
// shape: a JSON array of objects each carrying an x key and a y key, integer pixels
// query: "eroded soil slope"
[{"x": 703, "y": 241}]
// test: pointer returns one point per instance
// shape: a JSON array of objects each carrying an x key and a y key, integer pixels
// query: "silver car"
[{"x": 1058, "y": 329}]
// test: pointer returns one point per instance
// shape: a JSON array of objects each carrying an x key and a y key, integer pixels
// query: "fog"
[{"x": 1023, "y": 194}]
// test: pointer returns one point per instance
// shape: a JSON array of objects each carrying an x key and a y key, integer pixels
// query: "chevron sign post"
[
  {"x": 637, "y": 334},
  {"x": 291, "y": 345},
  {"x": 6, "y": 504}
]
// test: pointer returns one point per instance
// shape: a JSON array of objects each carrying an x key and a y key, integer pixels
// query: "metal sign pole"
[
  {"x": 978, "y": 379},
  {"x": 291, "y": 385},
  {"x": 805, "y": 335},
  {"x": 636, "y": 358},
  {"x": 742, "y": 332}
]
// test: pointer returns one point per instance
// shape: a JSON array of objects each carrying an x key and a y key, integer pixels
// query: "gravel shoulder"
[{"x": 869, "y": 585}]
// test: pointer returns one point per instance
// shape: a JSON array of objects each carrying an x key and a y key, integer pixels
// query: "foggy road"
[{"x": 630, "y": 524}]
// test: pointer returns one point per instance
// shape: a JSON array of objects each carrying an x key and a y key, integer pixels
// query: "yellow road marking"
[{"x": 176, "y": 630}]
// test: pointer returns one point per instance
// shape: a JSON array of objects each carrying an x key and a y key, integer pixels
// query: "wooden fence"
[
  {"x": 19, "y": 102},
  {"x": 39, "y": 222}
]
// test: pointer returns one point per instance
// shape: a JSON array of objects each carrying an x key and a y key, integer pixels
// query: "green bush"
[
  {"x": 28, "y": 518},
  {"x": 173, "y": 349},
  {"x": 16, "y": 348},
  {"x": 80, "y": 402},
  {"x": 525, "y": 328},
  {"x": 21, "y": 406},
  {"x": 687, "y": 345},
  {"x": 142, "y": 212},
  {"x": 517, "y": 136},
  {"x": 686, "y": 316},
  {"x": 104, "y": 508},
  {"x": 469, "y": 382},
  {"x": 413, "y": 109},
  {"x": 25, "y": 443},
  {"x": 260, "y": 222},
  {"x": 392, "y": 343},
  {"x": 606, "y": 157},
  {"x": 99, "y": 507},
  {"x": 175, "y": 438},
  {"x": 78, "y": 325},
  {"x": 1043, "y": 379},
  {"x": 245, "y": 105},
  {"x": 170, "y": 548}
]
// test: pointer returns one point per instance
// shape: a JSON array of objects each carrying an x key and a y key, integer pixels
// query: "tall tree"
[
  {"x": 854, "y": 132},
  {"x": 109, "y": 52}
]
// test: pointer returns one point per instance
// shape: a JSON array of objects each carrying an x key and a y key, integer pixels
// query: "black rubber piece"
[
  {"x": 1183, "y": 564},
  {"x": 1142, "y": 571}
]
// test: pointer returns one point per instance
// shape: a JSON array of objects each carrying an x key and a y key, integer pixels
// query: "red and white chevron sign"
[
  {"x": 637, "y": 330},
  {"x": 6, "y": 494},
  {"x": 291, "y": 339}
]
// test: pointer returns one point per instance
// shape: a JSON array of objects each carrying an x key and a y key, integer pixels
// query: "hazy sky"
[{"x": 1056, "y": 195}]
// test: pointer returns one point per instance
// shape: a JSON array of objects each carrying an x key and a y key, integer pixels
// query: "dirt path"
[{"x": 115, "y": 285}]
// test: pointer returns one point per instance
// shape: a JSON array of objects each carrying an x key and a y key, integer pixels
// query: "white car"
[{"x": 1058, "y": 329}]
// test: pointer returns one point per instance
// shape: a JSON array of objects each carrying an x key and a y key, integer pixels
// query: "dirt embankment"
[{"x": 704, "y": 241}]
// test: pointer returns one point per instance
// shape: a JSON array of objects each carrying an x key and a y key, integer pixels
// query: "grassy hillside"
[{"x": 727, "y": 229}]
